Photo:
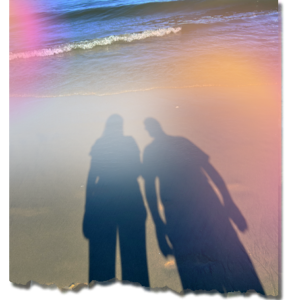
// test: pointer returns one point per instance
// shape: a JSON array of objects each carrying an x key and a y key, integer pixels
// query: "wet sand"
[{"x": 50, "y": 141}]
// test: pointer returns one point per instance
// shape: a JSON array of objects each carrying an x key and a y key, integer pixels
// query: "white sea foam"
[{"x": 89, "y": 44}]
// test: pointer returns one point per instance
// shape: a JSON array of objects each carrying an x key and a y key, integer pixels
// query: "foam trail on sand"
[{"x": 89, "y": 44}]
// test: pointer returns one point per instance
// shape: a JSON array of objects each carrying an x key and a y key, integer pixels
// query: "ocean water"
[{"x": 61, "y": 48}]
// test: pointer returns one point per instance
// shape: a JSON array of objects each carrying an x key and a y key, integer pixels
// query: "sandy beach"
[{"x": 238, "y": 127}]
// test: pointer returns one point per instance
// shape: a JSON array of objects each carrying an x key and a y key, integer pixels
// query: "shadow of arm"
[
  {"x": 233, "y": 211},
  {"x": 91, "y": 182},
  {"x": 89, "y": 207},
  {"x": 160, "y": 226},
  {"x": 151, "y": 197}
]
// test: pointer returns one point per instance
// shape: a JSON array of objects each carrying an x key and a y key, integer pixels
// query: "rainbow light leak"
[
  {"x": 31, "y": 35},
  {"x": 22, "y": 13}
]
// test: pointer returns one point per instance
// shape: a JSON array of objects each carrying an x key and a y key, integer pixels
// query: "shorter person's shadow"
[
  {"x": 114, "y": 203},
  {"x": 208, "y": 252}
]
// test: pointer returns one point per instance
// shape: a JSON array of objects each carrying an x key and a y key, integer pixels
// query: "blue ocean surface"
[{"x": 100, "y": 47}]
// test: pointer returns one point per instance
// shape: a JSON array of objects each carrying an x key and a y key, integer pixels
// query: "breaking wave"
[{"x": 89, "y": 44}]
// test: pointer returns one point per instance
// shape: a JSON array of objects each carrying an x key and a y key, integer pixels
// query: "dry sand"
[{"x": 50, "y": 140}]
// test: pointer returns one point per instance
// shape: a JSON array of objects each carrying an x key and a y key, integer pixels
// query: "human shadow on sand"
[
  {"x": 208, "y": 252},
  {"x": 114, "y": 203}
]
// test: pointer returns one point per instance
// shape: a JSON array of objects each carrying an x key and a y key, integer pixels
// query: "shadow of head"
[
  {"x": 114, "y": 126},
  {"x": 153, "y": 127}
]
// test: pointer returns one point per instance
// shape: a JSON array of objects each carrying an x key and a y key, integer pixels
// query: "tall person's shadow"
[
  {"x": 114, "y": 203},
  {"x": 208, "y": 252}
]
